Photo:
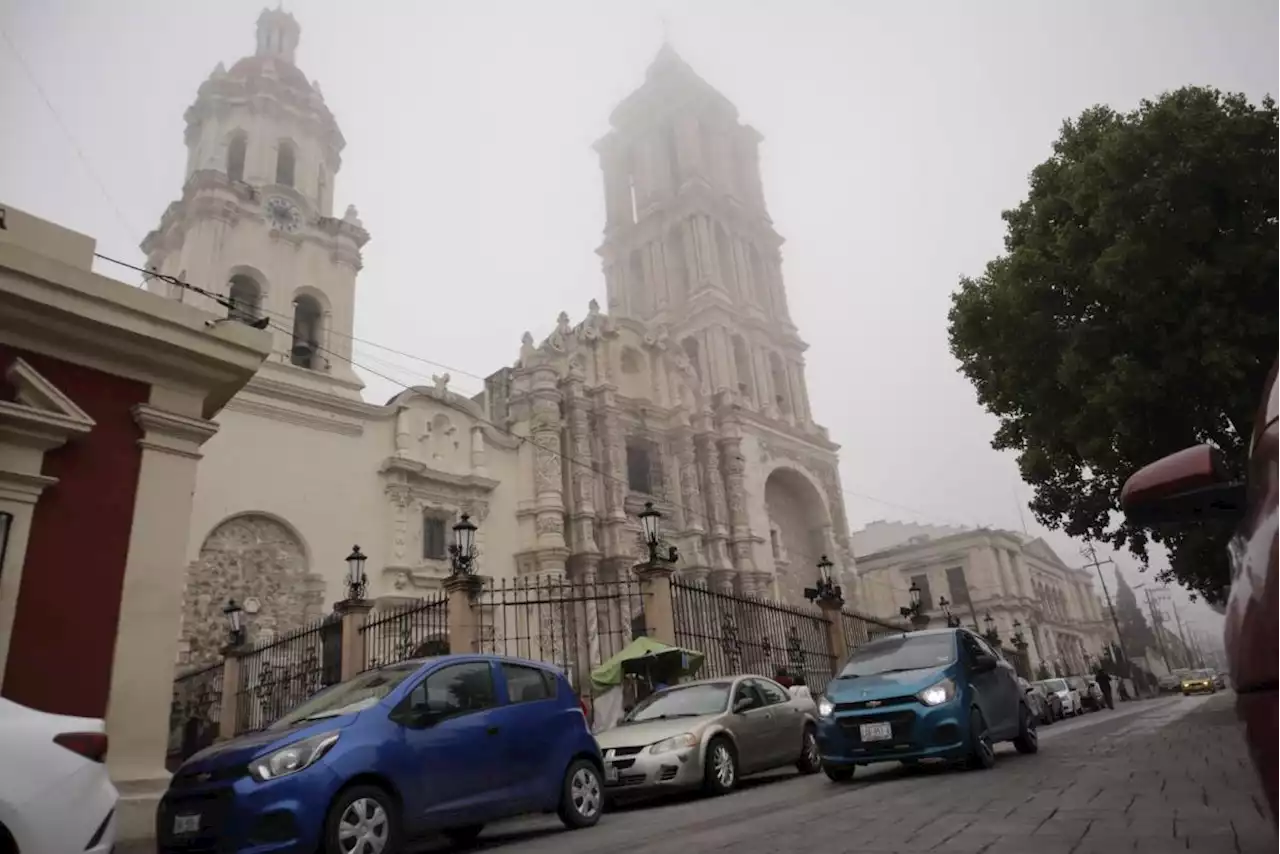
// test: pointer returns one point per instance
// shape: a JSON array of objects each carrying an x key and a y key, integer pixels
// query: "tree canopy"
[{"x": 1133, "y": 312}]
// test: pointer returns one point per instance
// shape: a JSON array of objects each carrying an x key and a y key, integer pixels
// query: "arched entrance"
[
  {"x": 253, "y": 556},
  {"x": 798, "y": 523}
]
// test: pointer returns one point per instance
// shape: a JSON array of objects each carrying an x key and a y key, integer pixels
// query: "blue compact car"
[
  {"x": 440, "y": 744},
  {"x": 942, "y": 695}
]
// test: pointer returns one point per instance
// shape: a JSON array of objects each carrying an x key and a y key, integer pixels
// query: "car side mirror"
[
  {"x": 983, "y": 663},
  {"x": 1192, "y": 484}
]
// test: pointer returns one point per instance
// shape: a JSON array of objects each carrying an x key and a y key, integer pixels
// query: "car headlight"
[
  {"x": 826, "y": 708},
  {"x": 292, "y": 758},
  {"x": 679, "y": 742},
  {"x": 938, "y": 693}
]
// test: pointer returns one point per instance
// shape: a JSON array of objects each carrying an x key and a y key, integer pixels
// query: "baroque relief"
[{"x": 249, "y": 557}]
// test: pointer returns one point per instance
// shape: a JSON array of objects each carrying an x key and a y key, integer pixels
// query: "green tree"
[{"x": 1133, "y": 312}]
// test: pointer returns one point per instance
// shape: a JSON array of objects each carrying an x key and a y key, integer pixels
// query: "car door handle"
[{"x": 493, "y": 730}]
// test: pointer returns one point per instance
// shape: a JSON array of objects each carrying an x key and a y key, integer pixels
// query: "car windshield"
[
  {"x": 900, "y": 653},
  {"x": 684, "y": 701},
  {"x": 1054, "y": 685},
  {"x": 354, "y": 695},
  {"x": 1198, "y": 674}
]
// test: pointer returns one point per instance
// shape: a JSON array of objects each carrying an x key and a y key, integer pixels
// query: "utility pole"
[
  {"x": 1090, "y": 553},
  {"x": 1156, "y": 623},
  {"x": 1177, "y": 616}
]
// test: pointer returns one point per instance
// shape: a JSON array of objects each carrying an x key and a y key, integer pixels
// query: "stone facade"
[
  {"x": 981, "y": 571},
  {"x": 688, "y": 390}
]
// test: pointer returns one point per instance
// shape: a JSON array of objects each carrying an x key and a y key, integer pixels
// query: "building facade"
[
  {"x": 687, "y": 391},
  {"x": 983, "y": 571},
  {"x": 106, "y": 397}
]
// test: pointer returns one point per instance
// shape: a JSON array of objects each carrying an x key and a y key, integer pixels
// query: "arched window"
[
  {"x": 742, "y": 364},
  {"x": 691, "y": 350},
  {"x": 286, "y": 160},
  {"x": 781, "y": 390},
  {"x": 245, "y": 295},
  {"x": 724, "y": 248},
  {"x": 677, "y": 266},
  {"x": 236, "y": 150},
  {"x": 307, "y": 320}
]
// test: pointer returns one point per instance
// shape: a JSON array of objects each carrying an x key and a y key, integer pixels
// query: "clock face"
[{"x": 283, "y": 214}]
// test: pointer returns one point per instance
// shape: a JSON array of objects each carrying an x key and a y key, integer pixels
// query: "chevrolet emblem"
[{"x": 871, "y": 704}]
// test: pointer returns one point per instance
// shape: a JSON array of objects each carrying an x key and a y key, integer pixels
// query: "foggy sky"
[{"x": 895, "y": 133}]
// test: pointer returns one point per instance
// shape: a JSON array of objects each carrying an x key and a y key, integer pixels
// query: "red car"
[{"x": 1193, "y": 484}]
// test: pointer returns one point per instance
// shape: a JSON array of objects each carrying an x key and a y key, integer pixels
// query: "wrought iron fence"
[
  {"x": 859, "y": 629},
  {"x": 277, "y": 675},
  {"x": 750, "y": 634},
  {"x": 412, "y": 630},
  {"x": 572, "y": 625},
  {"x": 194, "y": 714}
]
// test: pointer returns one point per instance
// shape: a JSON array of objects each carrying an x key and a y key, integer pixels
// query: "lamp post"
[
  {"x": 651, "y": 526},
  {"x": 914, "y": 612},
  {"x": 953, "y": 622},
  {"x": 462, "y": 552},
  {"x": 357, "y": 582},
  {"x": 235, "y": 623},
  {"x": 826, "y": 591},
  {"x": 1018, "y": 640},
  {"x": 990, "y": 634}
]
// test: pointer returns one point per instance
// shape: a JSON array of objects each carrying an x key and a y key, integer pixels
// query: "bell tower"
[
  {"x": 255, "y": 222},
  {"x": 688, "y": 241}
]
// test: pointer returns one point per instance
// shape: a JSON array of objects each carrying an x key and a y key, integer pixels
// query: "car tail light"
[{"x": 90, "y": 745}]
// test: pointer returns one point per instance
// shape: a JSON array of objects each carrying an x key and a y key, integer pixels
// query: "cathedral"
[{"x": 686, "y": 388}]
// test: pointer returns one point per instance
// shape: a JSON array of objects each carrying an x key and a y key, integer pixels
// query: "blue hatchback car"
[
  {"x": 441, "y": 744},
  {"x": 940, "y": 695}
]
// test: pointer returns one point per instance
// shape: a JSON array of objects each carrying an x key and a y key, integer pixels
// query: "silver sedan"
[{"x": 708, "y": 734}]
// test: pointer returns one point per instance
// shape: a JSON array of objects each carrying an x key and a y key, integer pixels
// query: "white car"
[
  {"x": 1070, "y": 697},
  {"x": 55, "y": 794}
]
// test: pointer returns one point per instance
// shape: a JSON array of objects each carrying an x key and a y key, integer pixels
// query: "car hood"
[
  {"x": 242, "y": 749},
  {"x": 649, "y": 732},
  {"x": 882, "y": 686}
]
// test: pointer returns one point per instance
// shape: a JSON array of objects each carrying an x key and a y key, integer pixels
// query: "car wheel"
[
  {"x": 982, "y": 753},
  {"x": 839, "y": 773},
  {"x": 1028, "y": 741},
  {"x": 810, "y": 761},
  {"x": 365, "y": 819},
  {"x": 720, "y": 769},
  {"x": 462, "y": 836},
  {"x": 581, "y": 795}
]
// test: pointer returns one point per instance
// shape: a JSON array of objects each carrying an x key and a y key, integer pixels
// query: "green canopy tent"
[{"x": 648, "y": 657}]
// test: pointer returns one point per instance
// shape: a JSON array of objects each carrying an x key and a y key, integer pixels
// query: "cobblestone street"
[{"x": 1155, "y": 776}]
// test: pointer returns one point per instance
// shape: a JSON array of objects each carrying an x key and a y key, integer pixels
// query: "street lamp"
[
  {"x": 826, "y": 590},
  {"x": 990, "y": 634},
  {"x": 914, "y": 612},
  {"x": 651, "y": 527},
  {"x": 953, "y": 622},
  {"x": 1018, "y": 640},
  {"x": 462, "y": 552},
  {"x": 235, "y": 622},
  {"x": 357, "y": 582}
]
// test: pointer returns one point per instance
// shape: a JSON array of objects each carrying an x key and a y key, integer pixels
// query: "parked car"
[
  {"x": 1168, "y": 683},
  {"x": 935, "y": 695},
  {"x": 1196, "y": 483},
  {"x": 443, "y": 744},
  {"x": 55, "y": 793},
  {"x": 1198, "y": 682},
  {"x": 709, "y": 734},
  {"x": 1219, "y": 680},
  {"x": 1089, "y": 691},
  {"x": 1068, "y": 697},
  {"x": 1041, "y": 704}
]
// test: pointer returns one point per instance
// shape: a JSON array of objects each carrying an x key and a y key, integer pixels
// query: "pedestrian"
[
  {"x": 783, "y": 678},
  {"x": 1104, "y": 682}
]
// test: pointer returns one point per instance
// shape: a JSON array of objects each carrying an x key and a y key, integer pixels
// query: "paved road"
[{"x": 1154, "y": 776}]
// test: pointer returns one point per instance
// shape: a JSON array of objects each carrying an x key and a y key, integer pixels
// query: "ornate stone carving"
[
  {"x": 440, "y": 383},
  {"x": 550, "y": 523}
]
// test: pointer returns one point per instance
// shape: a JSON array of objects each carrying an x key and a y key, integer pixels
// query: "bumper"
[
  {"x": 276, "y": 817},
  {"x": 75, "y": 814},
  {"x": 917, "y": 732},
  {"x": 645, "y": 772},
  {"x": 1198, "y": 688}
]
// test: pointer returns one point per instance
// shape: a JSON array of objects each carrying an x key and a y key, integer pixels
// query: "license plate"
[
  {"x": 875, "y": 732},
  {"x": 186, "y": 823},
  {"x": 610, "y": 774}
]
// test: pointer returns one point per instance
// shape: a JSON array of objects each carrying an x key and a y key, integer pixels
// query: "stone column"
[
  {"x": 708, "y": 264},
  {"x": 150, "y": 608},
  {"x": 716, "y": 503},
  {"x": 464, "y": 633},
  {"x": 837, "y": 643},
  {"x": 694, "y": 274},
  {"x": 735, "y": 468},
  {"x": 229, "y": 710},
  {"x": 693, "y": 564},
  {"x": 544, "y": 432},
  {"x": 353, "y": 614},
  {"x": 655, "y": 590},
  {"x": 582, "y": 514}
]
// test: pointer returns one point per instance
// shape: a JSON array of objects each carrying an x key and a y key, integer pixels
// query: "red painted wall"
[{"x": 64, "y": 632}]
